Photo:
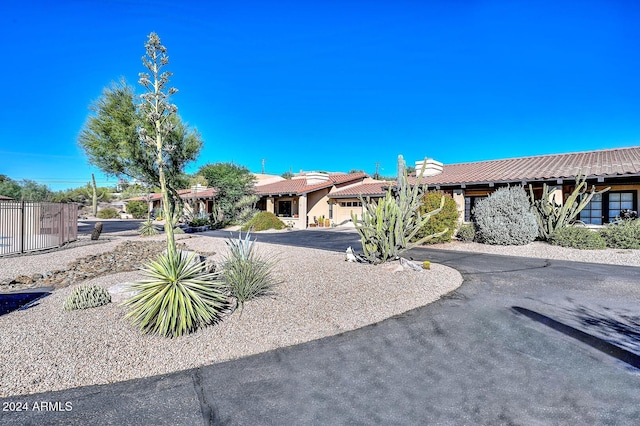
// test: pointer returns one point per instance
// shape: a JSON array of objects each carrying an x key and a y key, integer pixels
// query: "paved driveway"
[{"x": 470, "y": 358}]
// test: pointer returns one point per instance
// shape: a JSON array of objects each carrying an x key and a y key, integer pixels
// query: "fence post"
[{"x": 22, "y": 226}]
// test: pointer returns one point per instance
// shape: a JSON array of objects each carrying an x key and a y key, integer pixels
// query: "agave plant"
[
  {"x": 178, "y": 296},
  {"x": 146, "y": 229},
  {"x": 244, "y": 271}
]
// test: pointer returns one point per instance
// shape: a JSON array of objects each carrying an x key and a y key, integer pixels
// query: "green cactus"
[
  {"x": 388, "y": 225},
  {"x": 84, "y": 297},
  {"x": 552, "y": 216}
]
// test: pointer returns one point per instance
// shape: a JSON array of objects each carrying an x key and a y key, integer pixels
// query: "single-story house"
[
  {"x": 5, "y": 198},
  {"x": 618, "y": 169},
  {"x": 304, "y": 200}
]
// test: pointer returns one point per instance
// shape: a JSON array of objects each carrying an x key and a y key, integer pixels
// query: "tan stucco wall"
[{"x": 317, "y": 204}]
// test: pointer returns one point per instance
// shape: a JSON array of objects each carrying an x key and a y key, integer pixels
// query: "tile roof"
[
  {"x": 299, "y": 186},
  {"x": 611, "y": 162},
  {"x": 3, "y": 197},
  {"x": 373, "y": 189}
]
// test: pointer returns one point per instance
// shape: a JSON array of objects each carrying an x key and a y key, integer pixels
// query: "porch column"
[
  {"x": 302, "y": 211},
  {"x": 555, "y": 194},
  {"x": 458, "y": 197},
  {"x": 271, "y": 205}
]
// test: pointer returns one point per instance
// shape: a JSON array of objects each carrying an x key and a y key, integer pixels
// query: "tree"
[
  {"x": 231, "y": 182},
  {"x": 27, "y": 190},
  {"x": 111, "y": 139},
  {"x": 10, "y": 188}
]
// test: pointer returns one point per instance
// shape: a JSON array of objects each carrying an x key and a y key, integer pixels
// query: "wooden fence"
[{"x": 26, "y": 226}]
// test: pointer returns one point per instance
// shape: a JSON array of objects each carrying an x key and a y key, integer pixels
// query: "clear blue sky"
[{"x": 327, "y": 85}]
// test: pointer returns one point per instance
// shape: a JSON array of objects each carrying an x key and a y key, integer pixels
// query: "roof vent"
[{"x": 430, "y": 166}]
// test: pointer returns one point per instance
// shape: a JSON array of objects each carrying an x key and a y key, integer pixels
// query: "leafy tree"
[
  {"x": 10, "y": 188},
  {"x": 231, "y": 182},
  {"x": 287, "y": 175},
  {"x": 112, "y": 140},
  {"x": 27, "y": 190}
]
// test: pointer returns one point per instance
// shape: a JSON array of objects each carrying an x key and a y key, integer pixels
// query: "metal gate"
[{"x": 26, "y": 226}]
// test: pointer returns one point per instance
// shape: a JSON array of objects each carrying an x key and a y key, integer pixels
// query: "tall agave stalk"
[
  {"x": 389, "y": 224},
  {"x": 552, "y": 216}
]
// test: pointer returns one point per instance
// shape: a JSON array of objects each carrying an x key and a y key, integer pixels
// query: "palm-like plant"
[
  {"x": 178, "y": 297},
  {"x": 245, "y": 272},
  {"x": 147, "y": 229}
]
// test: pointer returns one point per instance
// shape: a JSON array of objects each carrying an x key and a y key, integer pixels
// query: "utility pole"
[
  {"x": 377, "y": 174},
  {"x": 263, "y": 161}
]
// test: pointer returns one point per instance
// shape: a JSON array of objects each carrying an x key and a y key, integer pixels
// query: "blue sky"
[{"x": 327, "y": 85}]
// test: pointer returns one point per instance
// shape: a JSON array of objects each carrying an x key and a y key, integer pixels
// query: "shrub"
[
  {"x": 577, "y": 237},
  {"x": 444, "y": 221},
  {"x": 263, "y": 221},
  {"x": 138, "y": 209},
  {"x": 84, "y": 297},
  {"x": 624, "y": 234},
  {"x": 466, "y": 232},
  {"x": 108, "y": 213},
  {"x": 147, "y": 229},
  {"x": 505, "y": 218},
  {"x": 199, "y": 222},
  {"x": 244, "y": 272},
  {"x": 179, "y": 296}
]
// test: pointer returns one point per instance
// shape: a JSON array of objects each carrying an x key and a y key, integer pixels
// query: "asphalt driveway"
[{"x": 474, "y": 357}]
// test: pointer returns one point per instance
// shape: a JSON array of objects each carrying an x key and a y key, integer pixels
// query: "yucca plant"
[
  {"x": 246, "y": 274},
  {"x": 147, "y": 229},
  {"x": 178, "y": 297}
]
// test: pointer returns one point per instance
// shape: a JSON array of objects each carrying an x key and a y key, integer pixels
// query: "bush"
[
  {"x": 446, "y": 220},
  {"x": 263, "y": 221},
  {"x": 466, "y": 232},
  {"x": 138, "y": 209},
  {"x": 505, "y": 218},
  {"x": 577, "y": 237},
  {"x": 108, "y": 213},
  {"x": 147, "y": 229},
  {"x": 245, "y": 273},
  {"x": 199, "y": 222},
  {"x": 624, "y": 234},
  {"x": 179, "y": 296},
  {"x": 84, "y": 297}
]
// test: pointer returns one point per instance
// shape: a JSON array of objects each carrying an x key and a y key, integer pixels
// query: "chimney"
[
  {"x": 314, "y": 178},
  {"x": 429, "y": 166}
]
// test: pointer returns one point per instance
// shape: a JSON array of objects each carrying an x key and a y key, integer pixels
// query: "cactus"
[
  {"x": 84, "y": 297},
  {"x": 97, "y": 230},
  {"x": 551, "y": 216},
  {"x": 426, "y": 265},
  {"x": 388, "y": 225}
]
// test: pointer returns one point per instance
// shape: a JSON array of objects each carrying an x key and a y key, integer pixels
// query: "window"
[
  {"x": 608, "y": 206},
  {"x": 469, "y": 204},
  {"x": 592, "y": 213}
]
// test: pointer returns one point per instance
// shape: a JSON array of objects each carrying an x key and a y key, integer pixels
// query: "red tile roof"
[
  {"x": 299, "y": 186},
  {"x": 611, "y": 162},
  {"x": 2, "y": 197},
  {"x": 374, "y": 189}
]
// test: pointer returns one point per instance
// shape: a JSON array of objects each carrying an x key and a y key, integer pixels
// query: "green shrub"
[
  {"x": 263, "y": 221},
  {"x": 84, "y": 297},
  {"x": 147, "y": 229},
  {"x": 138, "y": 209},
  {"x": 505, "y": 218},
  {"x": 108, "y": 213},
  {"x": 466, "y": 232},
  {"x": 444, "y": 221},
  {"x": 179, "y": 296},
  {"x": 245, "y": 273},
  {"x": 577, "y": 237},
  {"x": 200, "y": 221},
  {"x": 624, "y": 234}
]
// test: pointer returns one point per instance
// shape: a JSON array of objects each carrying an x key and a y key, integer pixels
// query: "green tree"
[
  {"x": 232, "y": 183},
  {"x": 10, "y": 188},
  {"x": 112, "y": 140}
]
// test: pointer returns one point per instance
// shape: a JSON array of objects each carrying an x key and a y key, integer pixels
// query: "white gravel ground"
[
  {"x": 45, "y": 348},
  {"x": 542, "y": 250}
]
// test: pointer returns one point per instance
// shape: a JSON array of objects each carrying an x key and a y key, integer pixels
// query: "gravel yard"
[{"x": 45, "y": 348}]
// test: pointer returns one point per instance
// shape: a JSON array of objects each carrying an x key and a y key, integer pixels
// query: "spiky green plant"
[
  {"x": 178, "y": 297},
  {"x": 147, "y": 229},
  {"x": 551, "y": 216},
  {"x": 389, "y": 224},
  {"x": 84, "y": 297},
  {"x": 244, "y": 271}
]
